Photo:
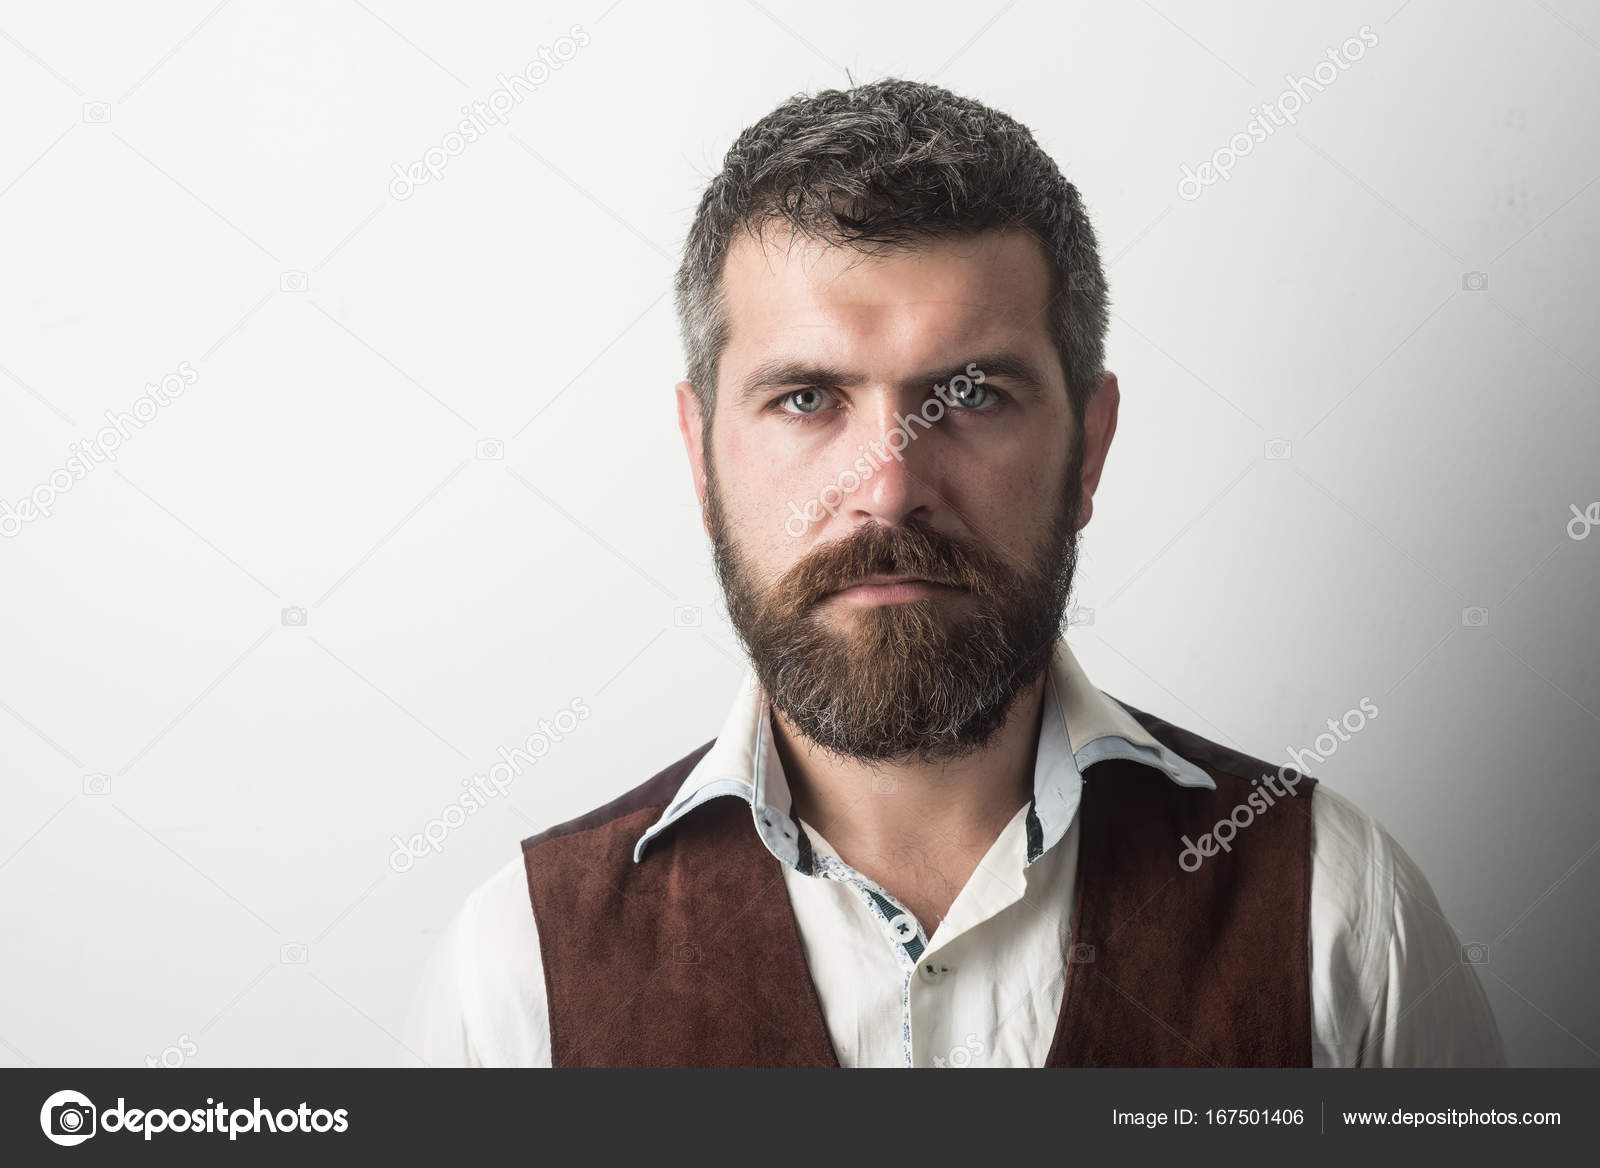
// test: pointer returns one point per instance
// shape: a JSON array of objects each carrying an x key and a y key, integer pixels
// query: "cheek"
[
  {"x": 768, "y": 473},
  {"x": 749, "y": 477},
  {"x": 1012, "y": 498},
  {"x": 758, "y": 483}
]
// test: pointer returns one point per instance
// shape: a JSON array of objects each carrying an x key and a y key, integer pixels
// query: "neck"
[{"x": 917, "y": 828}]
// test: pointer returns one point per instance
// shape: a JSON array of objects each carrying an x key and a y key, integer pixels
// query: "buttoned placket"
[
  {"x": 923, "y": 972},
  {"x": 926, "y": 970}
]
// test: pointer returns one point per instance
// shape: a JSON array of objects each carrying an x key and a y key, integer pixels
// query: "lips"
[{"x": 881, "y": 581}]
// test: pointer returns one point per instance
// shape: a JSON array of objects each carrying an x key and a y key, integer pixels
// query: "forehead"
[{"x": 804, "y": 297}]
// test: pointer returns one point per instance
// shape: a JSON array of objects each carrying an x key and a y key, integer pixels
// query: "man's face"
[{"x": 897, "y": 557}]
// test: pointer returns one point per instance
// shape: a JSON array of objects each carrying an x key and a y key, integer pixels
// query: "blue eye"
[
  {"x": 807, "y": 401},
  {"x": 972, "y": 396}
]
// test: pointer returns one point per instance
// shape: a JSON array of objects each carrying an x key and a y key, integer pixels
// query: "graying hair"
[{"x": 883, "y": 166}]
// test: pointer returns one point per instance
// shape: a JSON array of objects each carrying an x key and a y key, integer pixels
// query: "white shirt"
[{"x": 1389, "y": 986}]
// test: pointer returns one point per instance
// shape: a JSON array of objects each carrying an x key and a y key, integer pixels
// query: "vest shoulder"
[
  {"x": 655, "y": 792},
  {"x": 1228, "y": 768}
]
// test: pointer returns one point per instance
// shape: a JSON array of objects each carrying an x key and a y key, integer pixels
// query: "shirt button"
[
  {"x": 930, "y": 972},
  {"x": 903, "y": 927}
]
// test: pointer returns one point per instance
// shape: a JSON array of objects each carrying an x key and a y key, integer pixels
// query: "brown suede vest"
[{"x": 692, "y": 957}]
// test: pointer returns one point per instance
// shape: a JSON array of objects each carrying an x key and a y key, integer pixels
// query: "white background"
[{"x": 326, "y": 458}]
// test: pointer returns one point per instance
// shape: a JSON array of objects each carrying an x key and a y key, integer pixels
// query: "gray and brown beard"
[{"x": 927, "y": 680}]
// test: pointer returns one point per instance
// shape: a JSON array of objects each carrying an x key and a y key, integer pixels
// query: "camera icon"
[
  {"x": 686, "y": 616},
  {"x": 294, "y": 617},
  {"x": 1078, "y": 616},
  {"x": 97, "y": 113},
  {"x": 70, "y": 1122},
  {"x": 1475, "y": 617},
  {"x": 1277, "y": 449},
  {"x": 97, "y": 784},
  {"x": 1475, "y": 281},
  {"x": 1081, "y": 953},
  {"x": 490, "y": 450},
  {"x": 686, "y": 954},
  {"x": 1082, "y": 281},
  {"x": 1476, "y": 953},
  {"x": 885, "y": 784},
  {"x": 293, "y": 953},
  {"x": 293, "y": 282}
]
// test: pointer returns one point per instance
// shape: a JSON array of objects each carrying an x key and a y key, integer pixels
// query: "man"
[{"x": 922, "y": 837}]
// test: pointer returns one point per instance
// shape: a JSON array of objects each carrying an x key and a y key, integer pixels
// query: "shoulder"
[
  {"x": 1390, "y": 984},
  {"x": 482, "y": 1000}
]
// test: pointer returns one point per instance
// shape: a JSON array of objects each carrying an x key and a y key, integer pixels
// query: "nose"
[{"x": 903, "y": 450}]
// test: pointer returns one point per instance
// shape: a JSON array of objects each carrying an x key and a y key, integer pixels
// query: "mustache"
[{"x": 912, "y": 549}]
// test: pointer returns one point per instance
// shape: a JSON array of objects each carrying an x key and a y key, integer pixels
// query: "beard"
[{"x": 921, "y": 681}]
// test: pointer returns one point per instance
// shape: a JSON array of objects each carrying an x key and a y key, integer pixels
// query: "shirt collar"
[{"x": 1081, "y": 725}]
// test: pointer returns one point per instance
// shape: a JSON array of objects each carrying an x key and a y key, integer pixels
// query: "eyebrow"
[{"x": 792, "y": 374}]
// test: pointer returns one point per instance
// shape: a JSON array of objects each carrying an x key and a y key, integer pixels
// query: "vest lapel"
[
  {"x": 1186, "y": 969},
  {"x": 691, "y": 958}
]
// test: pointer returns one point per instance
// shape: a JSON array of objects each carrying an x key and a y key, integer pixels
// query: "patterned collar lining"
[{"x": 1081, "y": 726}]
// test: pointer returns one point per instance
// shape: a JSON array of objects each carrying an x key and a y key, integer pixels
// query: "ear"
[
  {"x": 691, "y": 426},
  {"x": 1099, "y": 426}
]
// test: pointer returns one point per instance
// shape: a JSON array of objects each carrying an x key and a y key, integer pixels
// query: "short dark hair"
[{"x": 882, "y": 166}]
